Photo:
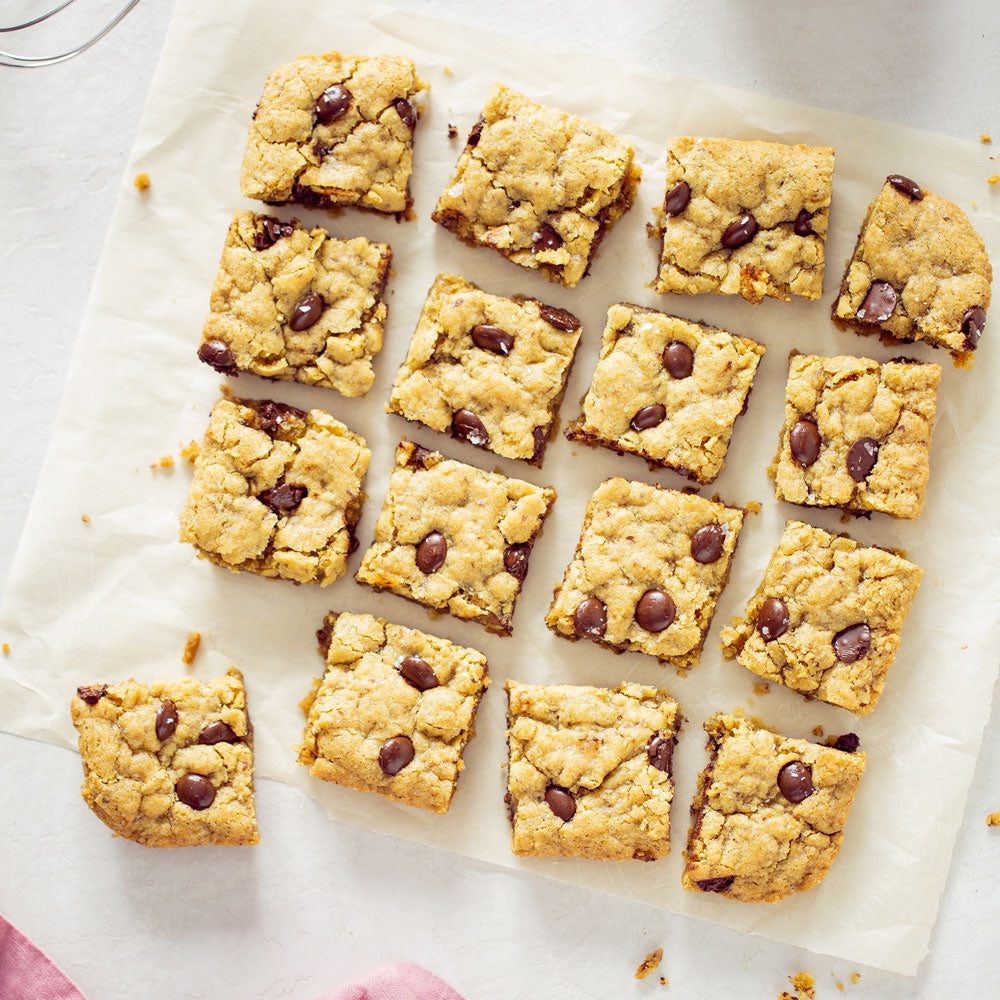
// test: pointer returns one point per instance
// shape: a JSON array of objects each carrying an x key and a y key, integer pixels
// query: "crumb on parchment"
[
  {"x": 840, "y": 986},
  {"x": 6, "y": 649},
  {"x": 985, "y": 138},
  {"x": 190, "y": 451},
  {"x": 452, "y": 132},
  {"x": 992, "y": 820},
  {"x": 760, "y": 687},
  {"x": 664, "y": 981},
  {"x": 993, "y": 179},
  {"x": 166, "y": 462},
  {"x": 753, "y": 506},
  {"x": 141, "y": 182},
  {"x": 649, "y": 963},
  {"x": 191, "y": 647},
  {"x": 818, "y": 732},
  {"x": 804, "y": 984},
  {"x": 854, "y": 977},
  {"x": 85, "y": 518}
]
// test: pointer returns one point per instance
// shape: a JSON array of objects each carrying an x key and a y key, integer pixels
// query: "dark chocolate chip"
[
  {"x": 217, "y": 732},
  {"x": 546, "y": 239},
  {"x": 678, "y": 359},
  {"x": 772, "y": 619},
  {"x": 795, "y": 781},
  {"x": 707, "y": 543},
  {"x": 283, "y": 499},
  {"x": 660, "y": 752},
  {"x": 92, "y": 693},
  {"x": 218, "y": 354},
  {"x": 271, "y": 230},
  {"x": 720, "y": 884},
  {"x": 677, "y": 198},
  {"x": 492, "y": 338},
  {"x": 476, "y": 133},
  {"x": 648, "y": 416},
  {"x": 272, "y": 415},
  {"x": 406, "y": 112},
  {"x": 849, "y": 743},
  {"x": 590, "y": 618},
  {"x": 418, "y": 457},
  {"x": 452, "y": 132},
  {"x": 196, "y": 791},
  {"x": 324, "y": 635},
  {"x": 740, "y": 232},
  {"x": 395, "y": 754},
  {"x": 802, "y": 227},
  {"x": 852, "y": 643},
  {"x": 306, "y": 312},
  {"x": 879, "y": 303},
  {"x": 905, "y": 186},
  {"x": 655, "y": 611},
  {"x": 320, "y": 149},
  {"x": 466, "y": 426},
  {"x": 431, "y": 552},
  {"x": 166, "y": 720},
  {"x": 333, "y": 103},
  {"x": 972, "y": 326},
  {"x": 418, "y": 673},
  {"x": 861, "y": 458},
  {"x": 540, "y": 436},
  {"x": 559, "y": 318},
  {"x": 515, "y": 560},
  {"x": 804, "y": 442},
  {"x": 352, "y": 540},
  {"x": 560, "y": 802}
]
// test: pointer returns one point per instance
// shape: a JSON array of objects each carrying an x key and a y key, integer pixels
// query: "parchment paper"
[{"x": 115, "y": 597}]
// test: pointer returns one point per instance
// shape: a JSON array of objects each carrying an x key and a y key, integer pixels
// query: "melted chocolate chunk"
[
  {"x": 559, "y": 318},
  {"x": 305, "y": 314},
  {"x": 660, "y": 752},
  {"x": 590, "y": 618},
  {"x": 795, "y": 781},
  {"x": 271, "y": 416},
  {"x": 804, "y": 442},
  {"x": 852, "y": 643},
  {"x": 707, "y": 543},
  {"x": 333, "y": 103},
  {"x": 720, "y": 884},
  {"x": 406, "y": 112},
  {"x": 515, "y": 560},
  {"x": 395, "y": 754},
  {"x": 492, "y": 338},
  {"x": 545, "y": 239},
  {"x": 655, "y": 611},
  {"x": 861, "y": 458},
  {"x": 431, "y": 552},
  {"x": 219, "y": 355},
  {"x": 772, "y": 619},
  {"x": 166, "y": 720},
  {"x": 92, "y": 694},
  {"x": 879, "y": 303},
  {"x": 648, "y": 416},
  {"x": 418, "y": 673},
  {"x": 466, "y": 426},
  {"x": 905, "y": 186},
  {"x": 283, "y": 499},
  {"x": 271, "y": 230},
  {"x": 678, "y": 359},
  {"x": 849, "y": 743},
  {"x": 560, "y": 802},
  {"x": 476, "y": 133},
  {"x": 802, "y": 224},
  {"x": 972, "y": 326},
  {"x": 677, "y": 199},
  {"x": 217, "y": 732},
  {"x": 196, "y": 791},
  {"x": 740, "y": 232}
]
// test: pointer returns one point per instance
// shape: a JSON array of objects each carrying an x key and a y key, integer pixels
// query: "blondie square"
[
  {"x": 768, "y": 818},
  {"x": 827, "y": 618},
  {"x": 486, "y": 369},
  {"x": 276, "y": 491},
  {"x": 590, "y": 772},
  {"x": 455, "y": 538},
  {"x": 857, "y": 434},
  {"x": 393, "y": 712},
  {"x": 919, "y": 272},
  {"x": 667, "y": 390},
  {"x": 648, "y": 571},
  {"x": 539, "y": 186},
  {"x": 169, "y": 764},
  {"x": 335, "y": 129},
  {"x": 297, "y": 304}
]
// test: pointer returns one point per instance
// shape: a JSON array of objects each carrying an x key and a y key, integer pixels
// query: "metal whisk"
[{"x": 33, "y": 62}]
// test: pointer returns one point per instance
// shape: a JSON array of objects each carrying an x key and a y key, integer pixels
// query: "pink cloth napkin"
[
  {"x": 399, "y": 981},
  {"x": 26, "y": 973}
]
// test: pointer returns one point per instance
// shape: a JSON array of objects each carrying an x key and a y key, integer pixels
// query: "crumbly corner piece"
[
  {"x": 919, "y": 272},
  {"x": 276, "y": 491},
  {"x": 590, "y": 772},
  {"x": 827, "y": 618},
  {"x": 487, "y": 369},
  {"x": 169, "y": 764},
  {"x": 649, "y": 964},
  {"x": 648, "y": 571},
  {"x": 333, "y": 130},
  {"x": 296, "y": 304},
  {"x": 768, "y": 818},
  {"x": 857, "y": 434},
  {"x": 393, "y": 712},
  {"x": 538, "y": 185},
  {"x": 668, "y": 390},
  {"x": 744, "y": 218}
]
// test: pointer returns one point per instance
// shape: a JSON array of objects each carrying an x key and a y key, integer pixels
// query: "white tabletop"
[{"x": 318, "y": 902}]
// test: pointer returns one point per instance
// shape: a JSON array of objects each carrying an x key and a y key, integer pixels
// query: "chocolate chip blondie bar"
[
  {"x": 455, "y": 538},
  {"x": 487, "y": 369},
  {"x": 919, "y": 272},
  {"x": 297, "y": 304},
  {"x": 169, "y": 764},
  {"x": 335, "y": 129},
  {"x": 276, "y": 491},
  {"x": 827, "y": 618},
  {"x": 857, "y": 434},
  {"x": 667, "y": 390},
  {"x": 648, "y": 571},
  {"x": 539, "y": 186},
  {"x": 744, "y": 218},
  {"x": 769, "y": 815},
  {"x": 393, "y": 712},
  {"x": 590, "y": 773}
]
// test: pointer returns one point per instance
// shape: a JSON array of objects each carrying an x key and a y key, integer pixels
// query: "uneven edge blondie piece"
[
  {"x": 857, "y": 434},
  {"x": 827, "y": 617},
  {"x": 667, "y": 390},
  {"x": 647, "y": 572},
  {"x": 297, "y": 304},
  {"x": 394, "y": 711},
  {"x": 455, "y": 538},
  {"x": 590, "y": 773},
  {"x": 169, "y": 764},
  {"x": 487, "y": 369},
  {"x": 539, "y": 186},
  {"x": 276, "y": 491},
  {"x": 768, "y": 818},
  {"x": 333, "y": 130},
  {"x": 744, "y": 218},
  {"x": 919, "y": 272}
]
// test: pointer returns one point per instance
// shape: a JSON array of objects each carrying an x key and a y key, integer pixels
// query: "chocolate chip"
[
  {"x": 217, "y": 732},
  {"x": 431, "y": 552},
  {"x": 352, "y": 540},
  {"x": 92, "y": 694},
  {"x": 740, "y": 232},
  {"x": 559, "y": 318},
  {"x": 418, "y": 457},
  {"x": 283, "y": 499},
  {"x": 677, "y": 198},
  {"x": 476, "y": 133},
  {"x": 515, "y": 560},
  {"x": 648, "y": 416},
  {"x": 879, "y": 303},
  {"x": 590, "y": 618},
  {"x": 802, "y": 227},
  {"x": 772, "y": 619},
  {"x": 218, "y": 354},
  {"x": 660, "y": 752},
  {"x": 306, "y": 312},
  {"x": 804, "y": 442},
  {"x": 972, "y": 326},
  {"x": 406, "y": 111},
  {"x": 466, "y": 426},
  {"x": 861, "y": 458},
  {"x": 655, "y": 611},
  {"x": 333, "y": 103},
  {"x": 196, "y": 791},
  {"x": 546, "y": 238},
  {"x": 492, "y": 338},
  {"x": 395, "y": 754},
  {"x": 272, "y": 415},
  {"x": 271, "y": 230},
  {"x": 707, "y": 543},
  {"x": 560, "y": 802},
  {"x": 852, "y": 643},
  {"x": 905, "y": 186},
  {"x": 795, "y": 781},
  {"x": 166, "y": 720},
  {"x": 320, "y": 149},
  {"x": 540, "y": 435},
  {"x": 452, "y": 132},
  {"x": 324, "y": 635},
  {"x": 849, "y": 743},
  {"x": 678, "y": 359},
  {"x": 720, "y": 884},
  {"x": 418, "y": 673}
]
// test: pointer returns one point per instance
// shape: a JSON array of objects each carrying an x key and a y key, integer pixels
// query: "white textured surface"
[{"x": 319, "y": 902}]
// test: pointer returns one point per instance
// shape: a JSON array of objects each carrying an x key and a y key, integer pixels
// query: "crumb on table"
[
  {"x": 985, "y": 138},
  {"x": 759, "y": 687},
  {"x": 166, "y": 462},
  {"x": 840, "y": 986},
  {"x": 992, "y": 820},
  {"x": 664, "y": 981},
  {"x": 452, "y": 131},
  {"x": 191, "y": 647},
  {"x": 190, "y": 452},
  {"x": 818, "y": 732},
  {"x": 854, "y": 977},
  {"x": 141, "y": 181},
  {"x": 804, "y": 984},
  {"x": 85, "y": 518},
  {"x": 448, "y": 71},
  {"x": 649, "y": 963},
  {"x": 993, "y": 179},
  {"x": 6, "y": 649},
  {"x": 753, "y": 506}
]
